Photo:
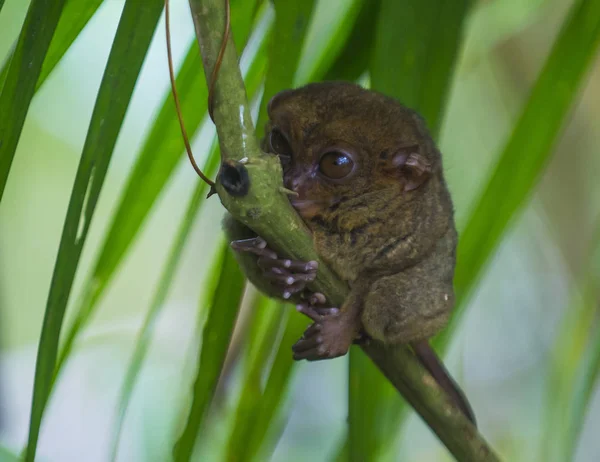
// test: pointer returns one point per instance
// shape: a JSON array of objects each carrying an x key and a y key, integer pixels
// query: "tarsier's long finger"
[
  {"x": 305, "y": 344},
  {"x": 312, "y": 330},
  {"x": 255, "y": 245},
  {"x": 290, "y": 265},
  {"x": 293, "y": 289},
  {"x": 310, "y": 355},
  {"x": 327, "y": 311},
  {"x": 308, "y": 310},
  {"x": 284, "y": 277}
]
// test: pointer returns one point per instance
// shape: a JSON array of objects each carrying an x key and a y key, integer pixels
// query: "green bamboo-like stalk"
[{"x": 266, "y": 209}]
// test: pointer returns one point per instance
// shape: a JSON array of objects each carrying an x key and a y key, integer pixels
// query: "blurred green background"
[{"x": 518, "y": 345}]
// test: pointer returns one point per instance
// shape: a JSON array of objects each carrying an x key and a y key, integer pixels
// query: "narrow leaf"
[
  {"x": 327, "y": 36},
  {"x": 24, "y": 69},
  {"x": 574, "y": 367},
  {"x": 276, "y": 388},
  {"x": 158, "y": 300},
  {"x": 131, "y": 43},
  {"x": 151, "y": 173},
  {"x": 425, "y": 36},
  {"x": 418, "y": 73},
  {"x": 266, "y": 322},
  {"x": 355, "y": 57},
  {"x": 291, "y": 22},
  {"x": 215, "y": 341},
  {"x": 587, "y": 382},
  {"x": 527, "y": 151},
  {"x": 74, "y": 18}
]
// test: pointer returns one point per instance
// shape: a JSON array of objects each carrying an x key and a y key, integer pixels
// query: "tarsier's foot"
[
  {"x": 330, "y": 336},
  {"x": 287, "y": 276}
]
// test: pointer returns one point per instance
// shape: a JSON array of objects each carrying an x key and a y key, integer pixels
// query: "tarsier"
[{"x": 367, "y": 180}]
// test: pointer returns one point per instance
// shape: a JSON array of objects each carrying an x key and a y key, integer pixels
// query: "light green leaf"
[
  {"x": 332, "y": 24},
  {"x": 267, "y": 320},
  {"x": 418, "y": 73},
  {"x": 132, "y": 40},
  {"x": 425, "y": 36},
  {"x": 158, "y": 300},
  {"x": 527, "y": 151},
  {"x": 22, "y": 75},
  {"x": 354, "y": 58},
  {"x": 260, "y": 446},
  {"x": 215, "y": 341},
  {"x": 151, "y": 173},
  {"x": 74, "y": 18},
  {"x": 574, "y": 367},
  {"x": 291, "y": 22}
]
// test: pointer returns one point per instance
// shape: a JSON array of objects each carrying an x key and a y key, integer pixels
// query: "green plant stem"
[{"x": 266, "y": 210}]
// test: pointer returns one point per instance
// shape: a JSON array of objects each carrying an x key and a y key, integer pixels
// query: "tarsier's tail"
[{"x": 436, "y": 368}]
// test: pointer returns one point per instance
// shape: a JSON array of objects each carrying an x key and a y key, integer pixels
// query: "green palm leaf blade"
[
  {"x": 574, "y": 366},
  {"x": 260, "y": 445},
  {"x": 131, "y": 43},
  {"x": 22, "y": 75},
  {"x": 425, "y": 48},
  {"x": 160, "y": 295},
  {"x": 333, "y": 63},
  {"x": 266, "y": 323},
  {"x": 587, "y": 380},
  {"x": 74, "y": 17},
  {"x": 419, "y": 74},
  {"x": 527, "y": 150},
  {"x": 161, "y": 152},
  {"x": 280, "y": 77},
  {"x": 292, "y": 20},
  {"x": 197, "y": 200},
  {"x": 354, "y": 59},
  {"x": 215, "y": 342},
  {"x": 291, "y": 23}
]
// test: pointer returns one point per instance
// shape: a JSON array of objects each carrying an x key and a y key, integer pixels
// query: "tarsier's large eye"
[
  {"x": 336, "y": 165},
  {"x": 279, "y": 143}
]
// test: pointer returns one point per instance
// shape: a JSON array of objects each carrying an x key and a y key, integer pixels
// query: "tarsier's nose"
[
  {"x": 295, "y": 184},
  {"x": 294, "y": 180}
]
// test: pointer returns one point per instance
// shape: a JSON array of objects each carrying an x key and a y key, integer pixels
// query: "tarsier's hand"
[
  {"x": 332, "y": 332},
  {"x": 287, "y": 277}
]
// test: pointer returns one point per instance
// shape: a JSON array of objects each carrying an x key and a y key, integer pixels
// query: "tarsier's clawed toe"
[
  {"x": 287, "y": 276},
  {"x": 328, "y": 337}
]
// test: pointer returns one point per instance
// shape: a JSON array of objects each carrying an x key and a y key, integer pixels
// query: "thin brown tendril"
[
  {"x": 215, "y": 72},
  {"x": 178, "y": 106}
]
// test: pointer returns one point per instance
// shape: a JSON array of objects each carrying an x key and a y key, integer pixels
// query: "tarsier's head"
[{"x": 338, "y": 142}]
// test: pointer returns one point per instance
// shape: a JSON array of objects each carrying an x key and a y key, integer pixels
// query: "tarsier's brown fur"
[{"x": 388, "y": 231}]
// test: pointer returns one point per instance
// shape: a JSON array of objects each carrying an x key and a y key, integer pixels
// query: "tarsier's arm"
[{"x": 369, "y": 185}]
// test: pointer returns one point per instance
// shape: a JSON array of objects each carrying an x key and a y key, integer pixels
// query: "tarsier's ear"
[
  {"x": 414, "y": 167},
  {"x": 277, "y": 99}
]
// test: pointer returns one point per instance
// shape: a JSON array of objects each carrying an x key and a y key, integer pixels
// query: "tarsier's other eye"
[
  {"x": 336, "y": 165},
  {"x": 279, "y": 143}
]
